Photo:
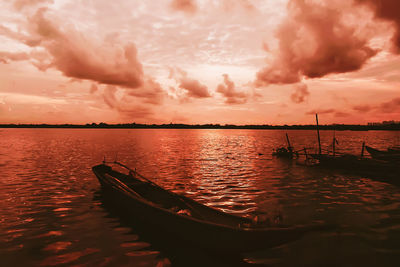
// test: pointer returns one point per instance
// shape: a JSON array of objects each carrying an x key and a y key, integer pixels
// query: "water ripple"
[{"x": 49, "y": 213}]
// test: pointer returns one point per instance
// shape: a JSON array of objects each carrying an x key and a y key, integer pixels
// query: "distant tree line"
[{"x": 102, "y": 125}]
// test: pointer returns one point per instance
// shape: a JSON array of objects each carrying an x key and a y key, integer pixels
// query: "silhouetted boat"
[
  {"x": 384, "y": 171},
  {"x": 394, "y": 149},
  {"x": 347, "y": 161},
  {"x": 184, "y": 219},
  {"x": 285, "y": 152},
  {"x": 392, "y": 154}
]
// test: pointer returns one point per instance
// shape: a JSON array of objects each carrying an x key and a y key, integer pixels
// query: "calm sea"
[{"x": 52, "y": 213}]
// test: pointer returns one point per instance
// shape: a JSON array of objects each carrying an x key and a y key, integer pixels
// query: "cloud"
[
  {"x": 227, "y": 89},
  {"x": 300, "y": 93},
  {"x": 316, "y": 40},
  {"x": 20, "y": 4},
  {"x": 341, "y": 114},
  {"x": 79, "y": 57},
  {"x": 187, "y": 6},
  {"x": 321, "y": 111},
  {"x": 62, "y": 47},
  {"x": 392, "y": 106},
  {"x": 363, "y": 108},
  {"x": 6, "y": 57},
  {"x": 125, "y": 107},
  {"x": 27, "y": 40},
  {"x": 229, "y": 5},
  {"x": 387, "y": 10},
  {"x": 150, "y": 91},
  {"x": 109, "y": 96},
  {"x": 332, "y": 111},
  {"x": 135, "y": 112},
  {"x": 93, "y": 88},
  {"x": 246, "y": 4},
  {"x": 192, "y": 87}
]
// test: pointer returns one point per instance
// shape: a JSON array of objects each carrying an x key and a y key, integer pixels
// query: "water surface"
[{"x": 51, "y": 212}]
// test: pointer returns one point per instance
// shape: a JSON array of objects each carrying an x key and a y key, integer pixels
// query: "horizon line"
[{"x": 386, "y": 125}]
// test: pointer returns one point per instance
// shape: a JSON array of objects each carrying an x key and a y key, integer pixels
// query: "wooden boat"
[
  {"x": 394, "y": 149},
  {"x": 380, "y": 170},
  {"x": 182, "y": 218},
  {"x": 388, "y": 155},
  {"x": 283, "y": 152}
]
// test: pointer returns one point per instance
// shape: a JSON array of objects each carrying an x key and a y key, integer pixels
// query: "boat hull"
[
  {"x": 389, "y": 155},
  {"x": 200, "y": 233}
]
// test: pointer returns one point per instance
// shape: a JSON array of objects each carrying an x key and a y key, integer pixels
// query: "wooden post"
[
  {"x": 288, "y": 142},
  {"x": 319, "y": 139},
  {"x": 362, "y": 149},
  {"x": 334, "y": 143}
]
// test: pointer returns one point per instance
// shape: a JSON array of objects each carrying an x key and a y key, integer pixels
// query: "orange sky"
[{"x": 204, "y": 61}]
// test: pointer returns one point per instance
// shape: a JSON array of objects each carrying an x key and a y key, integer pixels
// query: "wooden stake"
[
  {"x": 333, "y": 144},
  {"x": 319, "y": 139},
  {"x": 288, "y": 142},
  {"x": 362, "y": 149}
]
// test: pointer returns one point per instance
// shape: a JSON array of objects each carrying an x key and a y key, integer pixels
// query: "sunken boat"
[{"x": 181, "y": 218}]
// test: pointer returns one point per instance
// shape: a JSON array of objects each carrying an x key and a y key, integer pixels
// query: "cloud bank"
[
  {"x": 75, "y": 55},
  {"x": 316, "y": 39}
]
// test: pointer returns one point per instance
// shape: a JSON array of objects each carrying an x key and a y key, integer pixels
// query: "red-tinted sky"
[{"x": 199, "y": 61}]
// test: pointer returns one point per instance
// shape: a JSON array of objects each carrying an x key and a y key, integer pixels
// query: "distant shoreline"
[{"x": 338, "y": 127}]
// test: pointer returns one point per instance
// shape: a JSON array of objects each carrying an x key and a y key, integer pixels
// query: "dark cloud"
[
  {"x": 334, "y": 112},
  {"x": 300, "y": 93},
  {"x": 341, "y": 114},
  {"x": 363, "y": 108},
  {"x": 388, "y": 10},
  {"x": 187, "y": 6},
  {"x": 126, "y": 108},
  {"x": 315, "y": 41},
  {"x": 392, "y": 106},
  {"x": 227, "y": 89},
  {"x": 192, "y": 87},
  {"x": 151, "y": 92}
]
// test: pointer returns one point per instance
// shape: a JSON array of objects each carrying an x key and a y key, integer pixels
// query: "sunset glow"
[{"x": 197, "y": 62}]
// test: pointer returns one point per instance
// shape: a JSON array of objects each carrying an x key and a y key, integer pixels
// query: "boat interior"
[{"x": 173, "y": 202}]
